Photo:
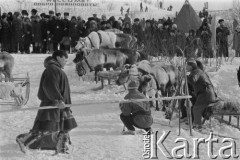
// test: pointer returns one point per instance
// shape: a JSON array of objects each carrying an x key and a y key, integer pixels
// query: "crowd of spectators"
[{"x": 43, "y": 33}]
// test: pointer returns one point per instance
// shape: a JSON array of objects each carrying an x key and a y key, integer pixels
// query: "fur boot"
[{"x": 62, "y": 144}]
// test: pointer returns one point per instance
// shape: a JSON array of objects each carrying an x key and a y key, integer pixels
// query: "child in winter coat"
[{"x": 135, "y": 114}]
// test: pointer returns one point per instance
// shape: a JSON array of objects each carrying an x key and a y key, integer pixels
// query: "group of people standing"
[
  {"x": 50, "y": 32},
  {"x": 44, "y": 32}
]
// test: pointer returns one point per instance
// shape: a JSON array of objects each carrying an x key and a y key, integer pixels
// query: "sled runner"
[
  {"x": 16, "y": 92},
  {"x": 233, "y": 123},
  {"x": 224, "y": 108}
]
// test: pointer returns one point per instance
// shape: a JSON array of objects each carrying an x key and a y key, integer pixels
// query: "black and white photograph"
[{"x": 119, "y": 79}]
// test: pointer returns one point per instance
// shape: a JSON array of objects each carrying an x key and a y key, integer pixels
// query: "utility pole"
[{"x": 55, "y": 3}]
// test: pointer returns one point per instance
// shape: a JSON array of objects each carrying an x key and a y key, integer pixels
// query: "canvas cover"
[
  {"x": 5, "y": 90},
  {"x": 187, "y": 18}
]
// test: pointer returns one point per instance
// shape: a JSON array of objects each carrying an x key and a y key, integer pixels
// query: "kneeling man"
[{"x": 135, "y": 114}]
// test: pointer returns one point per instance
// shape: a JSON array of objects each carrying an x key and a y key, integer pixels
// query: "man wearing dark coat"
[
  {"x": 54, "y": 90},
  {"x": 189, "y": 51},
  {"x": 136, "y": 114},
  {"x": 203, "y": 90},
  {"x": 138, "y": 31},
  {"x": 74, "y": 32},
  {"x": 27, "y": 34},
  {"x": 17, "y": 32},
  {"x": 11, "y": 38},
  {"x": 37, "y": 34},
  {"x": 65, "y": 42},
  {"x": 44, "y": 22},
  {"x": 57, "y": 31},
  {"x": 5, "y": 32},
  {"x": 222, "y": 34},
  {"x": 148, "y": 30},
  {"x": 50, "y": 30},
  {"x": 205, "y": 34},
  {"x": 127, "y": 19}
]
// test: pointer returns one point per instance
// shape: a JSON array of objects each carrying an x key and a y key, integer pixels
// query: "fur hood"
[{"x": 51, "y": 61}]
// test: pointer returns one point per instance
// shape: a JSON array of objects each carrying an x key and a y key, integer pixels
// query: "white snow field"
[{"x": 98, "y": 135}]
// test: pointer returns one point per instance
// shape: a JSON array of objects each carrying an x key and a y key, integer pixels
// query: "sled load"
[
  {"x": 224, "y": 108},
  {"x": 12, "y": 90},
  {"x": 15, "y": 92}
]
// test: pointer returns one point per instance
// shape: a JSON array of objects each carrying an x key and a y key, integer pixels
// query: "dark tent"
[{"x": 187, "y": 18}]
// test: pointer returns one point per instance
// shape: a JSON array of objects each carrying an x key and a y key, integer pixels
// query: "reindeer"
[{"x": 6, "y": 66}]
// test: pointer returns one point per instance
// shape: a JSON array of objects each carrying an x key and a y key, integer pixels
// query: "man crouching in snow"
[
  {"x": 51, "y": 126},
  {"x": 136, "y": 114}
]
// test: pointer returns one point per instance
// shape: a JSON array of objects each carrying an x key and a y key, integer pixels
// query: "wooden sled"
[
  {"x": 18, "y": 96},
  {"x": 231, "y": 116},
  {"x": 220, "y": 115}
]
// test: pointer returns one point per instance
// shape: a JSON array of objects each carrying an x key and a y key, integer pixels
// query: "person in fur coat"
[{"x": 54, "y": 90}]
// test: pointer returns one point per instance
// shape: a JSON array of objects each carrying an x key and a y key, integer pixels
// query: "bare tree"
[{"x": 236, "y": 9}]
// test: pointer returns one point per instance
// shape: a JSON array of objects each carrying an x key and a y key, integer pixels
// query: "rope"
[
  {"x": 28, "y": 71},
  {"x": 98, "y": 102}
]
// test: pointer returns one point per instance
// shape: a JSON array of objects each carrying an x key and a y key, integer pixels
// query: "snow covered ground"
[{"x": 98, "y": 135}]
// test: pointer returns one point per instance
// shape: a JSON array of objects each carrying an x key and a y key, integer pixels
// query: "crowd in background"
[{"x": 43, "y": 33}]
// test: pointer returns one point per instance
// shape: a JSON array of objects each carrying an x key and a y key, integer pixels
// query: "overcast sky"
[{"x": 197, "y": 4}]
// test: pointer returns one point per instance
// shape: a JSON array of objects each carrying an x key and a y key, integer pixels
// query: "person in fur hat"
[
  {"x": 34, "y": 12},
  {"x": 135, "y": 114},
  {"x": 53, "y": 90},
  {"x": 24, "y": 13}
]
